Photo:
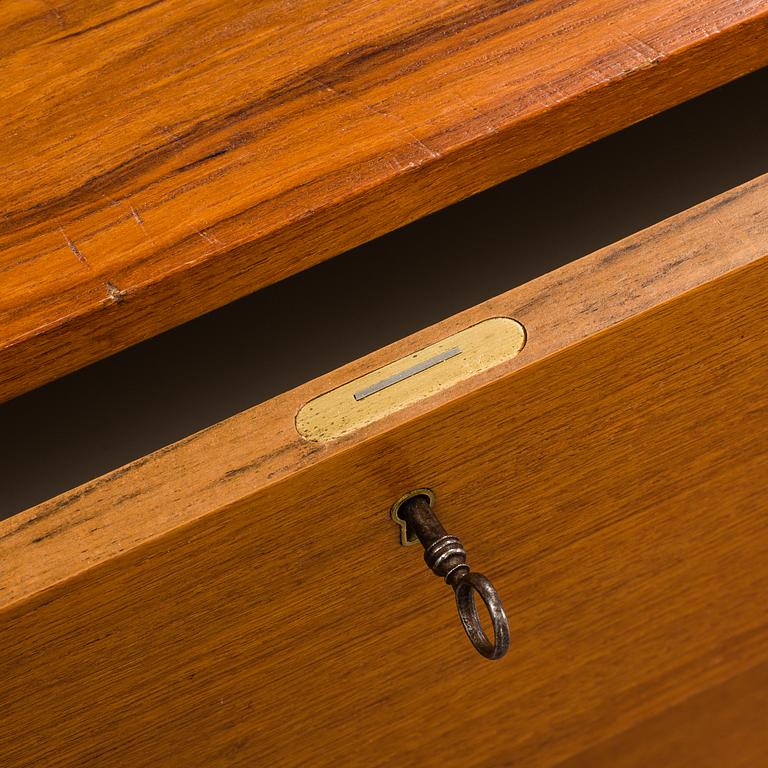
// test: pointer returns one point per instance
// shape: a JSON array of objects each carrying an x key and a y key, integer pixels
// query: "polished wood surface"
[
  {"x": 725, "y": 726},
  {"x": 163, "y": 158},
  {"x": 241, "y": 597}
]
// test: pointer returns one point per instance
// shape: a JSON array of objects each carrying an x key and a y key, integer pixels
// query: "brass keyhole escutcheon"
[{"x": 408, "y": 536}]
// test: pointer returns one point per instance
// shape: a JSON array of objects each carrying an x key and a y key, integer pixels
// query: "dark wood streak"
[
  {"x": 334, "y": 72},
  {"x": 66, "y": 527},
  {"x": 105, "y": 23},
  {"x": 251, "y": 465},
  {"x": 71, "y": 500},
  {"x": 196, "y": 163},
  {"x": 51, "y": 508}
]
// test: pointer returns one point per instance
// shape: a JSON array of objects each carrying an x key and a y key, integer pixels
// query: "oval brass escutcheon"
[{"x": 410, "y": 379}]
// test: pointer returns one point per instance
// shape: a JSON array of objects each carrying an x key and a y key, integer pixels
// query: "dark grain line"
[
  {"x": 105, "y": 23},
  {"x": 333, "y": 72}
]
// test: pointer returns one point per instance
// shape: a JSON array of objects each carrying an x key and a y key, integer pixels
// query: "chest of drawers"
[{"x": 242, "y": 596}]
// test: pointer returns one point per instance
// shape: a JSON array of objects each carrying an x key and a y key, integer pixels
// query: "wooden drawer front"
[{"x": 241, "y": 597}]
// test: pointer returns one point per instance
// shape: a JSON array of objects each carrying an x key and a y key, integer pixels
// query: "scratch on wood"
[
  {"x": 209, "y": 238},
  {"x": 415, "y": 140},
  {"x": 466, "y": 103},
  {"x": 551, "y": 93},
  {"x": 136, "y": 216},
  {"x": 647, "y": 53},
  {"x": 72, "y": 247},
  {"x": 431, "y": 152},
  {"x": 114, "y": 292}
]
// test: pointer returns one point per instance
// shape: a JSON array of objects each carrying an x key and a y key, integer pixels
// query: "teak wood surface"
[
  {"x": 241, "y": 598},
  {"x": 160, "y": 159}
]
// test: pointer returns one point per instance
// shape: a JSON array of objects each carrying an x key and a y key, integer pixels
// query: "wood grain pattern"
[
  {"x": 240, "y": 598},
  {"x": 163, "y": 158},
  {"x": 725, "y": 725}
]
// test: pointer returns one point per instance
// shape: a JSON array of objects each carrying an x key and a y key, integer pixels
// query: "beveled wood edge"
[
  {"x": 218, "y": 467},
  {"x": 102, "y": 326}
]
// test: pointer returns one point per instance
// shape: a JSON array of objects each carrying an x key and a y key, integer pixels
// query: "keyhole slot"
[{"x": 407, "y": 535}]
